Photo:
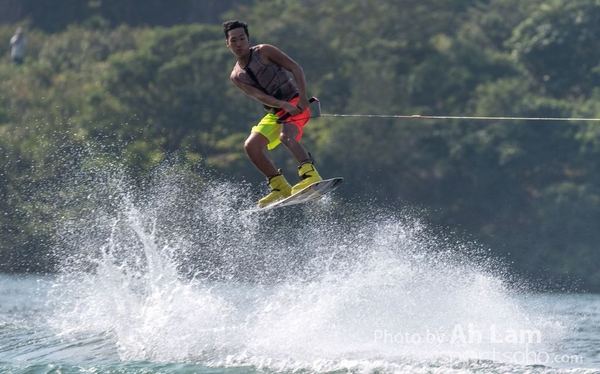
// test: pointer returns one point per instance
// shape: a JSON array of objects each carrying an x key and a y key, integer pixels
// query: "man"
[
  {"x": 17, "y": 46},
  {"x": 260, "y": 72}
]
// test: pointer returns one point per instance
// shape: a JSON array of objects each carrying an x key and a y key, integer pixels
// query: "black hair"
[{"x": 234, "y": 24}]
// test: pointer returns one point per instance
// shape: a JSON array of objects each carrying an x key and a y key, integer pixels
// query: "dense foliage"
[{"x": 527, "y": 189}]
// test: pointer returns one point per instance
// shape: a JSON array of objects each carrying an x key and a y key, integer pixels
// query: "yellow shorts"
[{"x": 269, "y": 127}]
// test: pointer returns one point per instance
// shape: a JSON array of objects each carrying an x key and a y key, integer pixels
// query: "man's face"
[{"x": 238, "y": 42}]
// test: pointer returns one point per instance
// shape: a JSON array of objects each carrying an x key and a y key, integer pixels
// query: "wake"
[{"x": 172, "y": 270}]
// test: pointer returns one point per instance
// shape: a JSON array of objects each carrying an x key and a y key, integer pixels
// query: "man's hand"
[
  {"x": 291, "y": 109},
  {"x": 303, "y": 103}
]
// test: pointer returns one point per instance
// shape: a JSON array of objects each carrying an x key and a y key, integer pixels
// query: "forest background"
[{"x": 142, "y": 81}]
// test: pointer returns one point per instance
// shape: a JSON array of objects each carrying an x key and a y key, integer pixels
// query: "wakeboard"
[{"x": 309, "y": 193}]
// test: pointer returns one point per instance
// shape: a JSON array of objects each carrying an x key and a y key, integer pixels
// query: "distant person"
[
  {"x": 17, "y": 46},
  {"x": 260, "y": 72}
]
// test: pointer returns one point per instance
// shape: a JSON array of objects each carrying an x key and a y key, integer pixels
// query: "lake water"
[
  {"x": 208, "y": 328},
  {"x": 177, "y": 280}
]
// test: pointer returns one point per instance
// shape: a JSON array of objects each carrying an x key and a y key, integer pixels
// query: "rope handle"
[{"x": 287, "y": 115}]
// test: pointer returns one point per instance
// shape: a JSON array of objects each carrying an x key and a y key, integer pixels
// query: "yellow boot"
[
  {"x": 308, "y": 175},
  {"x": 280, "y": 189}
]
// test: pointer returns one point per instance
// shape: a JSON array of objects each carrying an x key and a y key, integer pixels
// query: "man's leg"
[
  {"x": 306, "y": 169},
  {"x": 288, "y": 135},
  {"x": 280, "y": 188},
  {"x": 254, "y": 147}
]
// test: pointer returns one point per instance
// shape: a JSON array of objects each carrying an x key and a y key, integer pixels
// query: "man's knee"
[
  {"x": 288, "y": 135},
  {"x": 250, "y": 146},
  {"x": 286, "y": 139},
  {"x": 255, "y": 142}
]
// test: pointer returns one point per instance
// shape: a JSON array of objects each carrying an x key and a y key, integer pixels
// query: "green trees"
[
  {"x": 93, "y": 13},
  {"x": 527, "y": 189},
  {"x": 161, "y": 98},
  {"x": 557, "y": 44}
]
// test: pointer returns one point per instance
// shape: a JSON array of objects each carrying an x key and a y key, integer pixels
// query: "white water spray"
[{"x": 175, "y": 272}]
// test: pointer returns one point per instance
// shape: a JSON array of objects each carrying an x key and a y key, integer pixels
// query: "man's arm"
[
  {"x": 276, "y": 56},
  {"x": 263, "y": 98}
]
